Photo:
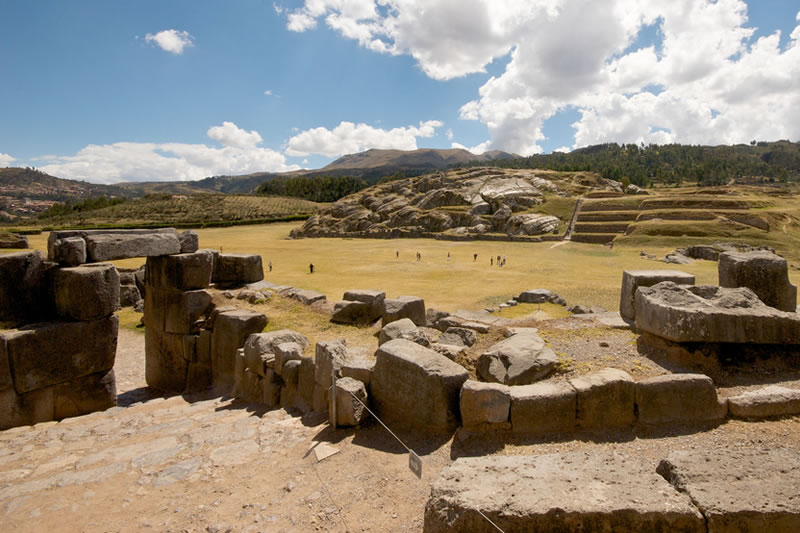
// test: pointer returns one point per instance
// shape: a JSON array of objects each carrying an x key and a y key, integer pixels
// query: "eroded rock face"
[
  {"x": 707, "y": 313},
  {"x": 763, "y": 272},
  {"x": 459, "y": 202},
  {"x": 521, "y": 359}
]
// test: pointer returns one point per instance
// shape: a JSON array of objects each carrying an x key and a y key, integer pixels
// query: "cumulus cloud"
[
  {"x": 172, "y": 41},
  {"x": 5, "y": 159},
  {"x": 348, "y": 138},
  {"x": 128, "y": 161},
  {"x": 702, "y": 78},
  {"x": 477, "y": 149}
]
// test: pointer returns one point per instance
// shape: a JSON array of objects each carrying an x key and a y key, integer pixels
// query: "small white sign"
[{"x": 415, "y": 464}]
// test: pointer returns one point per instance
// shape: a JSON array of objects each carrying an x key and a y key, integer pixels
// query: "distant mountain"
[{"x": 425, "y": 158}]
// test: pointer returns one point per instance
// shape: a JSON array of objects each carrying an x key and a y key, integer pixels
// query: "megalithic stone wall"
[{"x": 56, "y": 359}]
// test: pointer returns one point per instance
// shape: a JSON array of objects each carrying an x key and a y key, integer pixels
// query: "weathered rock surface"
[
  {"x": 770, "y": 401},
  {"x": 416, "y": 388},
  {"x": 359, "y": 307},
  {"x": 328, "y": 358},
  {"x": 543, "y": 408},
  {"x": 411, "y": 307},
  {"x": 605, "y": 399},
  {"x": 110, "y": 246},
  {"x": 633, "y": 279},
  {"x": 182, "y": 272},
  {"x": 518, "y": 360},
  {"x": 396, "y": 329},
  {"x": 763, "y": 272},
  {"x": 739, "y": 489},
  {"x": 678, "y": 398},
  {"x": 86, "y": 292},
  {"x": 237, "y": 268},
  {"x": 484, "y": 404},
  {"x": 190, "y": 242},
  {"x": 22, "y": 286},
  {"x": 708, "y": 313},
  {"x": 304, "y": 296},
  {"x": 555, "y": 493},
  {"x": 349, "y": 411},
  {"x": 539, "y": 296},
  {"x": 13, "y": 240},
  {"x": 231, "y": 329},
  {"x": 458, "y": 337}
]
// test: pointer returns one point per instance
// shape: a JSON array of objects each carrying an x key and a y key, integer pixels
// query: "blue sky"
[{"x": 176, "y": 90}]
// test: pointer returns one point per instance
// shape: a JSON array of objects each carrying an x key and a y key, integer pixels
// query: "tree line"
[
  {"x": 672, "y": 164},
  {"x": 316, "y": 189}
]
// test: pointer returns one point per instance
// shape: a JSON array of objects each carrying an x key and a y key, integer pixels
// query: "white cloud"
[
  {"x": 5, "y": 159},
  {"x": 449, "y": 134},
  {"x": 127, "y": 161},
  {"x": 585, "y": 54},
  {"x": 563, "y": 149},
  {"x": 348, "y": 138},
  {"x": 268, "y": 92},
  {"x": 172, "y": 41},
  {"x": 477, "y": 149}
]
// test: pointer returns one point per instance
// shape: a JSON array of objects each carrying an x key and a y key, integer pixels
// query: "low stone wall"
[
  {"x": 57, "y": 362},
  {"x": 75, "y": 247}
]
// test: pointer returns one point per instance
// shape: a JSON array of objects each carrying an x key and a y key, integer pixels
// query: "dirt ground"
[{"x": 215, "y": 464}]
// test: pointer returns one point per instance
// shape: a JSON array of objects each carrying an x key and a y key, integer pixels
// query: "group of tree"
[
  {"x": 316, "y": 189},
  {"x": 69, "y": 208},
  {"x": 672, "y": 164}
]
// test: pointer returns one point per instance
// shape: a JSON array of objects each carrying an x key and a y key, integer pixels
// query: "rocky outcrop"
[
  {"x": 518, "y": 360},
  {"x": 460, "y": 203},
  {"x": 763, "y": 272}
]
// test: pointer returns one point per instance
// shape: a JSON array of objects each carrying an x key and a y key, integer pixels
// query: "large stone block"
[
  {"x": 678, "y": 398},
  {"x": 22, "y": 284},
  {"x": 359, "y": 368},
  {"x": 70, "y": 251},
  {"x": 236, "y": 268},
  {"x": 263, "y": 346},
  {"x": 111, "y": 246},
  {"x": 349, "y": 411},
  {"x": 129, "y": 295},
  {"x": 95, "y": 392},
  {"x": 40, "y": 403},
  {"x": 328, "y": 358},
  {"x": 13, "y": 412},
  {"x": 707, "y": 313},
  {"x": 231, "y": 329},
  {"x": 484, "y": 403},
  {"x": 411, "y": 307},
  {"x": 739, "y": 488},
  {"x": 557, "y": 493},
  {"x": 6, "y": 381},
  {"x": 50, "y": 353},
  {"x": 521, "y": 359},
  {"x": 165, "y": 363},
  {"x": 359, "y": 307},
  {"x": 543, "y": 408},
  {"x": 764, "y": 273},
  {"x": 633, "y": 279},
  {"x": 306, "y": 381},
  {"x": 182, "y": 272},
  {"x": 771, "y": 401},
  {"x": 605, "y": 399},
  {"x": 396, "y": 330},
  {"x": 86, "y": 292},
  {"x": 175, "y": 311},
  {"x": 415, "y": 387},
  {"x": 190, "y": 242},
  {"x": 287, "y": 352}
]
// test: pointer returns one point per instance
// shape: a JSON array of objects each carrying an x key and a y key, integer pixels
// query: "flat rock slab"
[
  {"x": 767, "y": 402},
  {"x": 108, "y": 247},
  {"x": 740, "y": 489},
  {"x": 481, "y": 317},
  {"x": 633, "y": 279},
  {"x": 557, "y": 493}
]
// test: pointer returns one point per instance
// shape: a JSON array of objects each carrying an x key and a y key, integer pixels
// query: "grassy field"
[{"x": 582, "y": 273}]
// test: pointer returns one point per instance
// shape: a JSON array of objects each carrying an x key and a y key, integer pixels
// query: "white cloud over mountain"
[
  {"x": 703, "y": 79},
  {"x": 5, "y": 160},
  {"x": 348, "y": 138},
  {"x": 172, "y": 41},
  {"x": 128, "y": 161}
]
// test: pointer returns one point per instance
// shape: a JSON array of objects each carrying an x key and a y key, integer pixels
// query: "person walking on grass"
[
  {"x": 474, "y": 257},
  {"x": 311, "y": 268},
  {"x": 270, "y": 266},
  {"x": 491, "y": 261},
  {"x": 397, "y": 254}
]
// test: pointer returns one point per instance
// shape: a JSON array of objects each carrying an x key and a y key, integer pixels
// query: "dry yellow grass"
[{"x": 588, "y": 274}]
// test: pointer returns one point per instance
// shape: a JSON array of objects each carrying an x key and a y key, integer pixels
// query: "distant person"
[
  {"x": 419, "y": 257},
  {"x": 397, "y": 254},
  {"x": 474, "y": 257},
  {"x": 270, "y": 266},
  {"x": 491, "y": 261},
  {"x": 504, "y": 260},
  {"x": 498, "y": 259},
  {"x": 448, "y": 256},
  {"x": 311, "y": 268}
]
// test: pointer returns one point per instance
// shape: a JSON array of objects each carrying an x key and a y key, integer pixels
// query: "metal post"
[{"x": 333, "y": 397}]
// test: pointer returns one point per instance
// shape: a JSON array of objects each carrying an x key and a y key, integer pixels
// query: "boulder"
[
  {"x": 416, "y": 388},
  {"x": 349, "y": 411},
  {"x": 677, "y": 259},
  {"x": 359, "y": 368},
  {"x": 633, "y": 279},
  {"x": 190, "y": 242},
  {"x": 22, "y": 286},
  {"x": 353, "y": 312},
  {"x": 128, "y": 295},
  {"x": 394, "y": 330},
  {"x": 50, "y": 353},
  {"x": 166, "y": 364},
  {"x": 372, "y": 297},
  {"x": 231, "y": 329},
  {"x": 739, "y": 488},
  {"x": 86, "y": 292},
  {"x": 291, "y": 371},
  {"x": 70, "y": 251},
  {"x": 182, "y": 272},
  {"x": 84, "y": 395},
  {"x": 605, "y": 399},
  {"x": 518, "y": 360},
  {"x": 110, "y": 246},
  {"x": 543, "y": 408},
  {"x": 237, "y": 268},
  {"x": 458, "y": 337},
  {"x": 260, "y": 348},
  {"x": 286, "y": 352},
  {"x": 678, "y": 399},
  {"x": 305, "y": 296},
  {"x": 580, "y": 491},
  {"x": 432, "y": 317},
  {"x": 13, "y": 240},
  {"x": 328, "y": 358},
  {"x": 410, "y": 307},
  {"x": 484, "y": 403},
  {"x": 450, "y": 351},
  {"x": 711, "y": 314},
  {"x": 536, "y": 296},
  {"x": 771, "y": 401},
  {"x": 763, "y": 272}
]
